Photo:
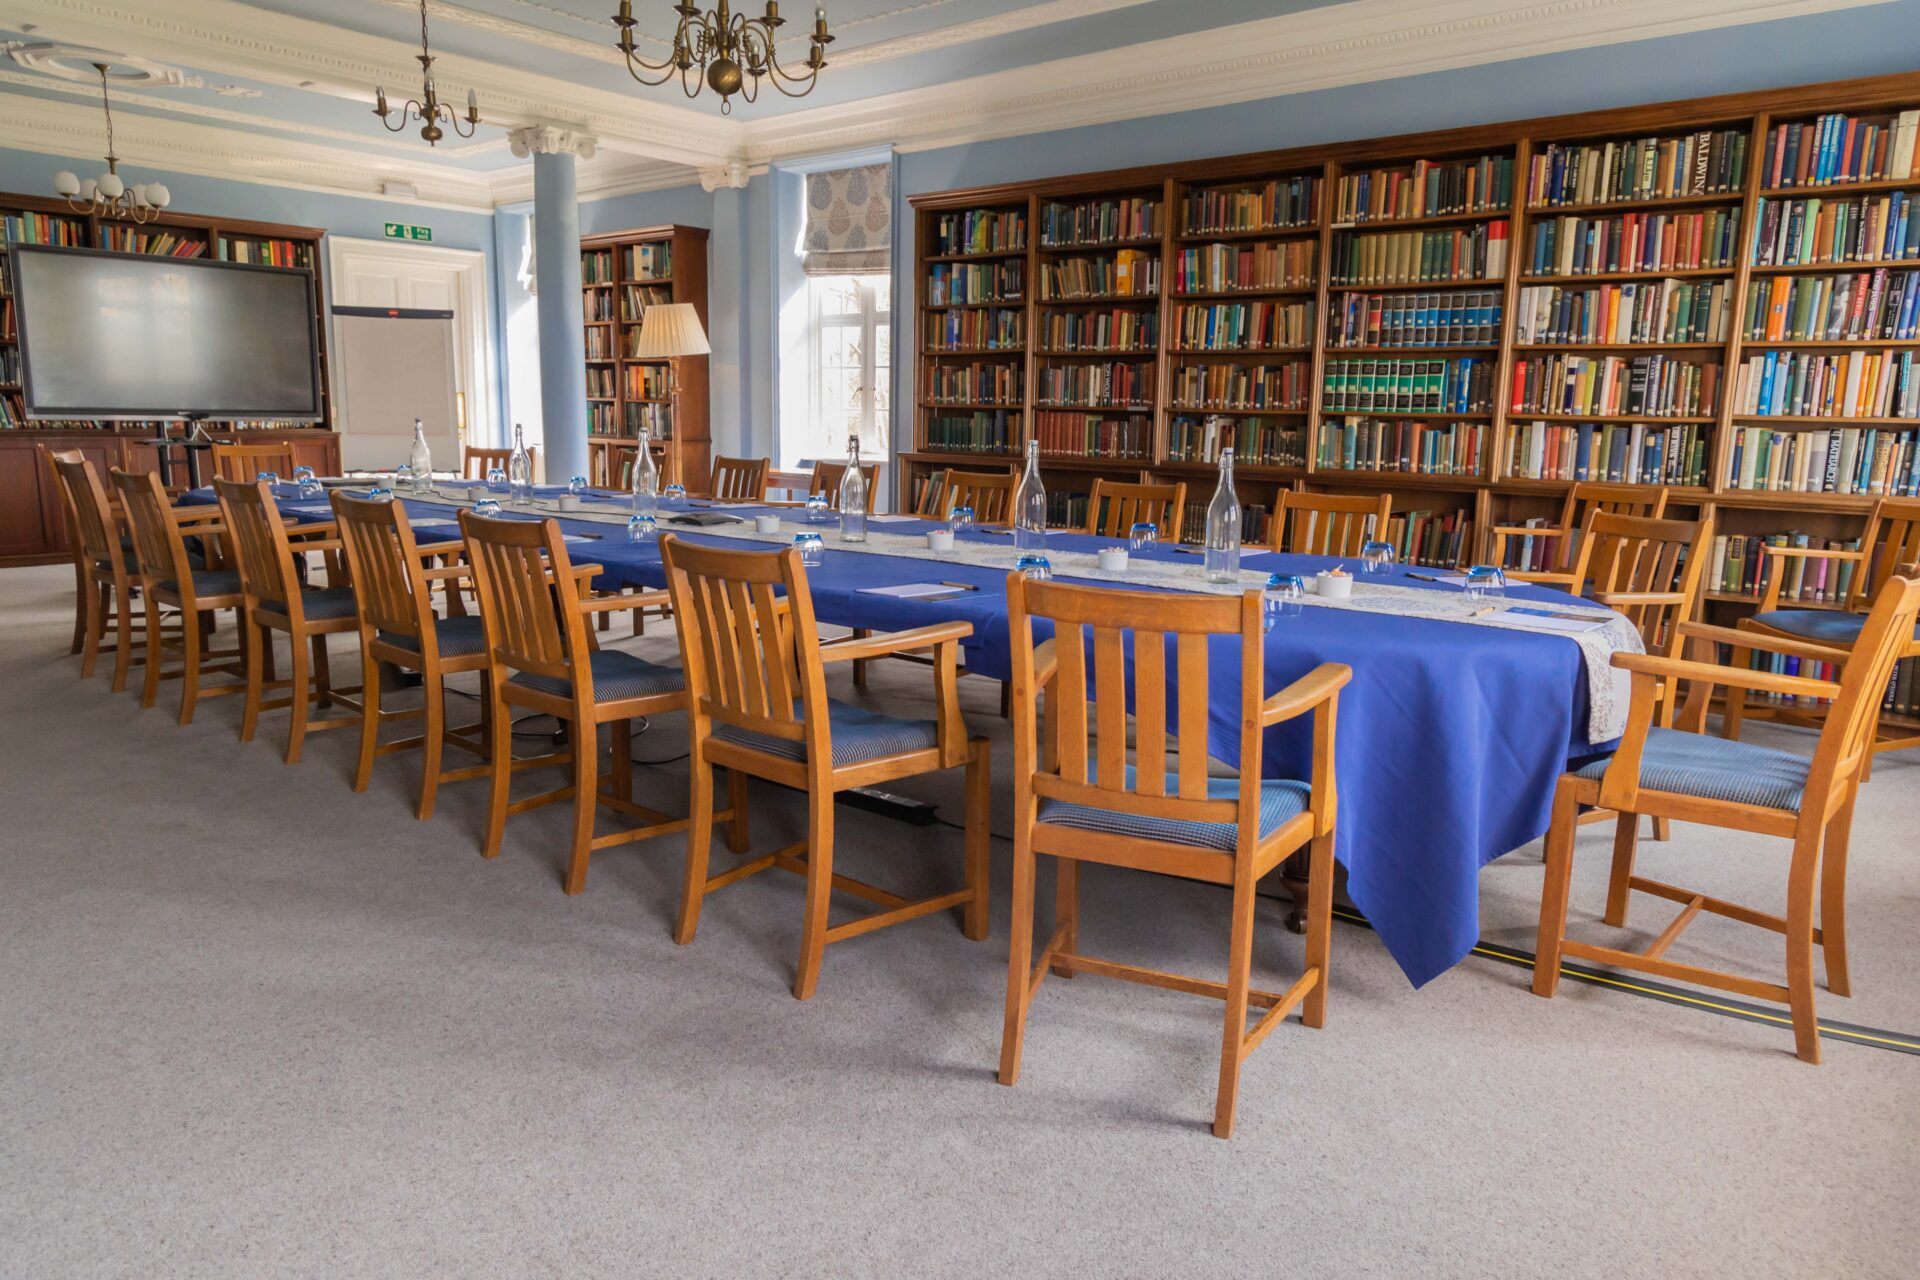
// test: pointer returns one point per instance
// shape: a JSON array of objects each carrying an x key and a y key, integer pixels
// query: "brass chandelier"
[
  {"x": 731, "y": 52},
  {"x": 108, "y": 195},
  {"x": 429, "y": 109}
]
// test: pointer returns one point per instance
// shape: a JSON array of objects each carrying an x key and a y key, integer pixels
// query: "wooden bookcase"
[
  {"x": 621, "y": 274},
  {"x": 32, "y": 529},
  {"x": 1306, "y": 202}
]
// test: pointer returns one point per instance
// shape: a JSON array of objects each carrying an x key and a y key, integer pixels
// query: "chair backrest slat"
[
  {"x": 1113, "y": 508},
  {"x": 1892, "y": 543},
  {"x": 1070, "y": 645},
  {"x": 1328, "y": 524},
  {"x": 1193, "y": 715},
  {"x": 740, "y": 479},
  {"x": 989, "y": 493},
  {"x": 828, "y": 476},
  {"x": 390, "y": 587},
  {"x": 748, "y": 642},
  {"x": 1150, "y": 711},
  {"x": 260, "y": 544},
  {"x": 529, "y": 601},
  {"x": 157, "y": 543},
  {"x": 243, "y": 462},
  {"x": 1627, "y": 553},
  {"x": 87, "y": 505}
]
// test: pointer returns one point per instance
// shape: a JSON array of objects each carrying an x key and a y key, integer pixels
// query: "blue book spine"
[{"x": 1583, "y": 453}]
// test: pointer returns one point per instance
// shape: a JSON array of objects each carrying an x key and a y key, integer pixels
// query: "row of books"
[
  {"x": 599, "y": 343},
  {"x": 1844, "y": 460},
  {"x": 1426, "y": 189},
  {"x": 1001, "y": 281},
  {"x": 1432, "y": 538},
  {"x": 1100, "y": 221},
  {"x": 1622, "y": 242},
  {"x": 1654, "y": 311},
  {"x": 1256, "y": 522},
  {"x": 1129, "y": 273},
  {"x": 647, "y": 381},
  {"x": 636, "y": 298},
  {"x": 1242, "y": 326},
  {"x": 1107, "y": 384},
  {"x": 596, "y": 266},
  {"x": 975, "y": 383},
  {"x": 596, "y": 306},
  {"x": 9, "y": 323},
  {"x": 601, "y": 419},
  {"x": 159, "y": 244},
  {"x": 1460, "y": 385},
  {"x": 1740, "y": 566},
  {"x": 1067, "y": 510},
  {"x": 653, "y": 420},
  {"x": 9, "y": 366},
  {"x": 1121, "y": 329},
  {"x": 1475, "y": 252},
  {"x": 1812, "y": 231},
  {"x": 649, "y": 261},
  {"x": 1413, "y": 447},
  {"x": 984, "y": 431},
  {"x": 1692, "y": 164},
  {"x": 42, "y": 228},
  {"x": 979, "y": 231},
  {"x": 1222, "y": 268},
  {"x": 1270, "y": 206},
  {"x": 1093, "y": 435},
  {"x": 1273, "y": 387},
  {"x": 272, "y": 253},
  {"x": 1256, "y": 442},
  {"x": 1840, "y": 148},
  {"x": 990, "y": 328},
  {"x": 1870, "y": 306},
  {"x": 1416, "y": 319},
  {"x": 600, "y": 381},
  {"x": 1652, "y": 386},
  {"x": 1616, "y": 452},
  {"x": 1850, "y": 384}
]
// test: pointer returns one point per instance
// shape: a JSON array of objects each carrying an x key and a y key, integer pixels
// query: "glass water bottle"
[
  {"x": 853, "y": 496},
  {"x": 646, "y": 477},
  {"x": 1223, "y": 526},
  {"x": 1030, "y": 506},
  {"x": 519, "y": 471},
  {"x": 420, "y": 458}
]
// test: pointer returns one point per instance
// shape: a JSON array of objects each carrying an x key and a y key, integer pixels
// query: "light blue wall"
[{"x": 686, "y": 206}]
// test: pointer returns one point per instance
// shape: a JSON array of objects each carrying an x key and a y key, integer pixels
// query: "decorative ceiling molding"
[
  {"x": 732, "y": 175},
  {"x": 550, "y": 140}
]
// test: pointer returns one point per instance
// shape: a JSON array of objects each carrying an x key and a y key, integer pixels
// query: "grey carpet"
[{"x": 255, "y": 1025}]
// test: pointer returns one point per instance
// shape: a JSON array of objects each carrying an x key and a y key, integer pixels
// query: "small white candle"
[
  {"x": 766, "y": 524},
  {"x": 568, "y": 502},
  {"x": 940, "y": 540},
  {"x": 1113, "y": 559}
]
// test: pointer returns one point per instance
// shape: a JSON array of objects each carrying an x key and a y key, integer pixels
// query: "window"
[{"x": 850, "y": 359}]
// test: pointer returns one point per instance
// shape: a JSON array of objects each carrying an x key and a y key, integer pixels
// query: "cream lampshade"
[{"x": 671, "y": 329}]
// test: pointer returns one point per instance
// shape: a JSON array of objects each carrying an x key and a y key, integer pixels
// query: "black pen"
[
  {"x": 1427, "y": 577},
  {"x": 961, "y": 586}
]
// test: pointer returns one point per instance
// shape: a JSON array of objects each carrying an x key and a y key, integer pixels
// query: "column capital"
[
  {"x": 729, "y": 173},
  {"x": 550, "y": 139}
]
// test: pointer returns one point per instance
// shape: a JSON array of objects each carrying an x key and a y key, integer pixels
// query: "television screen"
[{"x": 117, "y": 335}]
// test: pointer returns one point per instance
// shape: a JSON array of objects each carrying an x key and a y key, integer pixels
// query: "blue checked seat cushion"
[
  {"x": 1280, "y": 802},
  {"x": 616, "y": 676},
  {"x": 1707, "y": 768},
  {"x": 858, "y": 735},
  {"x": 208, "y": 582},
  {"x": 1822, "y": 626},
  {"x": 459, "y": 638},
  {"x": 325, "y": 603}
]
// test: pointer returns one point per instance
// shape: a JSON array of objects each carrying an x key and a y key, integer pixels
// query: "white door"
[{"x": 398, "y": 273}]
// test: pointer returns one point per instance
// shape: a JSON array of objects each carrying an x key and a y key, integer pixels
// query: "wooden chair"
[
  {"x": 242, "y": 462},
  {"x": 827, "y": 476},
  {"x": 1328, "y": 524},
  {"x": 393, "y": 593},
  {"x": 1685, "y": 774},
  {"x": 474, "y": 463},
  {"x": 104, "y": 570},
  {"x": 1889, "y": 545},
  {"x": 1583, "y": 499},
  {"x": 169, "y": 577},
  {"x": 76, "y": 541},
  {"x": 1174, "y": 820},
  {"x": 541, "y": 658},
  {"x": 989, "y": 493},
  {"x": 1113, "y": 508},
  {"x": 740, "y": 479},
  {"x": 277, "y": 600},
  {"x": 756, "y": 670}
]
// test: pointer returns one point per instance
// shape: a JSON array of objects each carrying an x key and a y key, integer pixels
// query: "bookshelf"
[
  {"x": 622, "y": 273},
  {"x": 32, "y": 529}
]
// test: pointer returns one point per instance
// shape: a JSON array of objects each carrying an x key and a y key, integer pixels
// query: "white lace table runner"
[{"x": 1608, "y": 689}]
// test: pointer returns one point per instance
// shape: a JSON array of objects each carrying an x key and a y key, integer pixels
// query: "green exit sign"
[{"x": 407, "y": 231}]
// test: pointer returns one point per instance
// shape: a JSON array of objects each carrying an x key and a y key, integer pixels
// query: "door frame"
[{"x": 473, "y": 352}]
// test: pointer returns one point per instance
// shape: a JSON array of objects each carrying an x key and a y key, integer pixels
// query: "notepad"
[
  {"x": 1444, "y": 579},
  {"x": 915, "y": 590},
  {"x": 312, "y": 509},
  {"x": 1549, "y": 620},
  {"x": 891, "y": 519}
]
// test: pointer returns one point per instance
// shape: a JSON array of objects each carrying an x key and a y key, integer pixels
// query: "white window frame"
[{"x": 871, "y": 320}]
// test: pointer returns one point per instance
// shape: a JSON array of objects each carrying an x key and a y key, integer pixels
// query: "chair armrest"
[
  {"x": 1832, "y": 553},
  {"x": 446, "y": 572},
  {"x": 1615, "y": 599},
  {"x": 1306, "y": 693},
  {"x": 194, "y": 513},
  {"x": 316, "y": 544},
  {"x": 1046, "y": 662},
  {"x": 1741, "y": 677},
  {"x": 1543, "y": 577},
  {"x": 1740, "y": 638},
  {"x": 1770, "y": 598},
  {"x": 312, "y": 529},
  {"x": 582, "y": 572},
  {"x": 441, "y": 548},
  {"x": 660, "y": 599},
  {"x": 1529, "y": 531},
  {"x": 893, "y": 642}
]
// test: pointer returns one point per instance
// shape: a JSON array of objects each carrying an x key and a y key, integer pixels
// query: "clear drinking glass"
[
  {"x": 960, "y": 519},
  {"x": 674, "y": 493},
  {"x": 1486, "y": 582},
  {"x": 812, "y": 548},
  {"x": 1376, "y": 557},
  {"x": 487, "y": 508},
  {"x": 1034, "y": 565},
  {"x": 577, "y": 486},
  {"x": 818, "y": 512},
  {"x": 310, "y": 486},
  {"x": 271, "y": 477},
  {"x": 379, "y": 493},
  {"x": 640, "y": 528},
  {"x": 403, "y": 476},
  {"x": 1142, "y": 535},
  {"x": 496, "y": 479},
  {"x": 1285, "y": 597}
]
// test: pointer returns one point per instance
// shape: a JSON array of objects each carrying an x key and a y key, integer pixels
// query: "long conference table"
[{"x": 1450, "y": 738}]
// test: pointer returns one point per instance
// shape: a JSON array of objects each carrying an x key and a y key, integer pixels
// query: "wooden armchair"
[
  {"x": 989, "y": 493},
  {"x": 756, "y": 670},
  {"x": 826, "y": 478},
  {"x": 278, "y": 600},
  {"x": 1683, "y": 773},
  {"x": 83, "y": 570},
  {"x": 1113, "y": 508},
  {"x": 533, "y": 608},
  {"x": 475, "y": 463},
  {"x": 740, "y": 479},
  {"x": 104, "y": 571},
  {"x": 1889, "y": 545},
  {"x": 1084, "y": 803},
  {"x": 242, "y": 462},
  {"x": 1328, "y": 524},
  {"x": 169, "y": 577},
  {"x": 1583, "y": 499}
]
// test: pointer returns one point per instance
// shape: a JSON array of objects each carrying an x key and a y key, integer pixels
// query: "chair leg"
[
  {"x": 1006, "y": 699},
  {"x": 979, "y": 836},
  {"x": 500, "y": 752},
  {"x": 322, "y": 668},
  {"x": 1736, "y": 707},
  {"x": 434, "y": 734},
  {"x": 622, "y": 758},
  {"x": 301, "y": 694},
  {"x": 189, "y": 664},
  {"x": 693, "y": 886},
  {"x": 860, "y": 666},
  {"x": 1663, "y": 829},
  {"x": 1019, "y": 955},
  {"x": 1833, "y": 897},
  {"x": 813, "y": 930},
  {"x": 738, "y": 839},
  {"x": 1806, "y": 1027},
  {"x": 1553, "y": 897},
  {"x": 1313, "y": 1010},
  {"x": 79, "y": 608},
  {"x": 123, "y": 638},
  {"x": 150, "y": 679},
  {"x": 586, "y": 798},
  {"x": 369, "y": 719},
  {"x": 1233, "y": 1037},
  {"x": 259, "y": 646},
  {"x": 96, "y": 623},
  {"x": 1066, "y": 908},
  {"x": 1626, "y": 839}
]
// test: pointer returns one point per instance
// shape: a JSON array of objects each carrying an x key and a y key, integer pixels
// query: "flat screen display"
[{"x": 116, "y": 335}]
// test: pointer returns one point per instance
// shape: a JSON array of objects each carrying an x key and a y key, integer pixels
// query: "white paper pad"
[
  {"x": 1548, "y": 620},
  {"x": 894, "y": 519},
  {"x": 914, "y": 590}
]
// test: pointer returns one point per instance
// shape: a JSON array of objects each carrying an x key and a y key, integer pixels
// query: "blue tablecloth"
[{"x": 1450, "y": 740}]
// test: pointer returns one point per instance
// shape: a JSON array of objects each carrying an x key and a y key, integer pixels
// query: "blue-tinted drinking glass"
[
  {"x": 640, "y": 528},
  {"x": 812, "y": 548},
  {"x": 960, "y": 519},
  {"x": 1486, "y": 582},
  {"x": 577, "y": 486},
  {"x": 1376, "y": 557},
  {"x": 1143, "y": 535},
  {"x": 487, "y": 508},
  {"x": 1034, "y": 565}
]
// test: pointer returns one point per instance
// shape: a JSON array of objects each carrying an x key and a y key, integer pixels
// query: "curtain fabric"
[{"x": 849, "y": 221}]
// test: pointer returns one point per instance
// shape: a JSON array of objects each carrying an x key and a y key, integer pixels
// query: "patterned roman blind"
[{"x": 849, "y": 221}]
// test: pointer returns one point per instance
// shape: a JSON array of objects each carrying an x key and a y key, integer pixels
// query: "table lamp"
[{"x": 668, "y": 331}]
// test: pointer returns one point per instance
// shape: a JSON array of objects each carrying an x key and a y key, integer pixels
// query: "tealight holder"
[
  {"x": 1333, "y": 584},
  {"x": 569, "y": 502},
  {"x": 1113, "y": 559},
  {"x": 939, "y": 539},
  {"x": 766, "y": 524}
]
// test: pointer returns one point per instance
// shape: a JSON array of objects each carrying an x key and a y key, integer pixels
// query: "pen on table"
[
  {"x": 961, "y": 586},
  {"x": 1427, "y": 577}
]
